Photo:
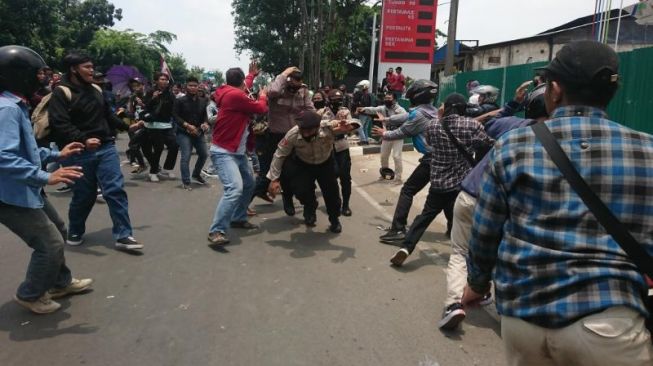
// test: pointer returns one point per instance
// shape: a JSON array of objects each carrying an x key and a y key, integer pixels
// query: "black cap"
[
  {"x": 584, "y": 63},
  {"x": 309, "y": 120},
  {"x": 455, "y": 100}
]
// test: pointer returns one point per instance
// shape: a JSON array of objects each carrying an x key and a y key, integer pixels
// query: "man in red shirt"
[
  {"x": 398, "y": 83},
  {"x": 231, "y": 137}
]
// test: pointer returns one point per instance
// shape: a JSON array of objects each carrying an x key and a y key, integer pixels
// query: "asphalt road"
[{"x": 280, "y": 295}]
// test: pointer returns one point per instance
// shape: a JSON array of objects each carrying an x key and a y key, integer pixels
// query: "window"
[{"x": 494, "y": 59}]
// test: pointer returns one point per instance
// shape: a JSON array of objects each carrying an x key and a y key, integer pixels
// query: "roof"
[{"x": 574, "y": 24}]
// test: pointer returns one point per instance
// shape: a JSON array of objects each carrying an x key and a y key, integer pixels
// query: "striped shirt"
[{"x": 553, "y": 262}]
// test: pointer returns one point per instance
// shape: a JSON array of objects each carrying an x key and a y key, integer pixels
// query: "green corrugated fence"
[{"x": 632, "y": 106}]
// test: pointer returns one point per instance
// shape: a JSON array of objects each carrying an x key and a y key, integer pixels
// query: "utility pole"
[
  {"x": 451, "y": 38},
  {"x": 372, "y": 52}
]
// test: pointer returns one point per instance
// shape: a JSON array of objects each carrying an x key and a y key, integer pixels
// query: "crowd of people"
[{"x": 562, "y": 282}]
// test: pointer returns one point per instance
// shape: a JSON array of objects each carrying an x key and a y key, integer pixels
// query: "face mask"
[
  {"x": 335, "y": 105},
  {"x": 292, "y": 89},
  {"x": 319, "y": 104},
  {"x": 389, "y": 103}
]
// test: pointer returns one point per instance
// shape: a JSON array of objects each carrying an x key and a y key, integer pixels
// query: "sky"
[{"x": 205, "y": 28}]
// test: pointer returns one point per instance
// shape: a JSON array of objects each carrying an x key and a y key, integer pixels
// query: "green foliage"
[
  {"x": 320, "y": 36},
  {"x": 112, "y": 47},
  {"x": 52, "y": 26},
  {"x": 178, "y": 67}
]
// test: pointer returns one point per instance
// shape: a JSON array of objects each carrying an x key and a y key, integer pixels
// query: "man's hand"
[
  {"x": 139, "y": 101},
  {"x": 263, "y": 93},
  {"x": 192, "y": 130},
  {"x": 156, "y": 94},
  {"x": 522, "y": 91},
  {"x": 274, "y": 188},
  {"x": 359, "y": 110},
  {"x": 470, "y": 297},
  {"x": 380, "y": 118},
  {"x": 71, "y": 149},
  {"x": 254, "y": 68},
  {"x": 205, "y": 126},
  {"x": 378, "y": 131},
  {"x": 136, "y": 126},
  {"x": 93, "y": 143},
  {"x": 289, "y": 71},
  {"x": 65, "y": 175}
]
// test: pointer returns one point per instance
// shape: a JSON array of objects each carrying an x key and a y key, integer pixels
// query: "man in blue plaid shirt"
[{"x": 567, "y": 292}]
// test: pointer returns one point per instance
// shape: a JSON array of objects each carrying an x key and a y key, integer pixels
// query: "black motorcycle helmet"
[
  {"x": 422, "y": 92},
  {"x": 18, "y": 68}
]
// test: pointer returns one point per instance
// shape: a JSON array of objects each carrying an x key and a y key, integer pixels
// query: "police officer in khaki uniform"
[
  {"x": 306, "y": 155},
  {"x": 334, "y": 109}
]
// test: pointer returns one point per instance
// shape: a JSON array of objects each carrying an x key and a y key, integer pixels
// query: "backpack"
[{"x": 40, "y": 120}]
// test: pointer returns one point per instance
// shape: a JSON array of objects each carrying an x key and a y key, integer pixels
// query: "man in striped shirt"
[{"x": 567, "y": 292}]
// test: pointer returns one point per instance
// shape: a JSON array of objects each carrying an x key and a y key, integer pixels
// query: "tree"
[
  {"x": 196, "y": 72},
  {"x": 52, "y": 26},
  {"x": 112, "y": 47},
  {"x": 178, "y": 67},
  {"x": 319, "y": 36}
]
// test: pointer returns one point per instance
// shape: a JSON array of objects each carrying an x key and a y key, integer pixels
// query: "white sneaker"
[
  {"x": 154, "y": 178},
  {"x": 43, "y": 305},
  {"x": 167, "y": 173}
]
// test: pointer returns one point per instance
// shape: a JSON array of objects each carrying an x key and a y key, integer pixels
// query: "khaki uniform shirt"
[
  {"x": 340, "y": 144},
  {"x": 312, "y": 152},
  {"x": 284, "y": 107}
]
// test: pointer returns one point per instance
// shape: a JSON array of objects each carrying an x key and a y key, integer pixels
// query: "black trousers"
[
  {"x": 343, "y": 169},
  {"x": 266, "y": 145},
  {"x": 303, "y": 185},
  {"x": 153, "y": 145},
  {"x": 436, "y": 202},
  {"x": 134, "y": 149},
  {"x": 420, "y": 177}
]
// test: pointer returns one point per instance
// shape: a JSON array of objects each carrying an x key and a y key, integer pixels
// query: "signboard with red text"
[{"x": 408, "y": 31}]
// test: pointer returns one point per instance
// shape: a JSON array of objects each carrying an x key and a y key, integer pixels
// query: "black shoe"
[
  {"x": 264, "y": 196},
  {"x": 199, "y": 180},
  {"x": 452, "y": 316},
  {"x": 398, "y": 259},
  {"x": 243, "y": 225},
  {"x": 335, "y": 228},
  {"x": 346, "y": 211},
  {"x": 288, "y": 206},
  {"x": 393, "y": 236},
  {"x": 310, "y": 220}
]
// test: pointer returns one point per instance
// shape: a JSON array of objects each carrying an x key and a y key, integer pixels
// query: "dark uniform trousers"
[
  {"x": 301, "y": 178},
  {"x": 343, "y": 166},
  {"x": 266, "y": 145}
]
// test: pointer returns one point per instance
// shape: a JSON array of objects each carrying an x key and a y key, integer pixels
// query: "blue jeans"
[
  {"x": 101, "y": 167},
  {"x": 365, "y": 125},
  {"x": 47, "y": 266},
  {"x": 238, "y": 186},
  {"x": 186, "y": 144}
]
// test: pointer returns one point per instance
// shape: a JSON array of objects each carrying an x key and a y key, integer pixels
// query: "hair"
[
  {"x": 320, "y": 92},
  {"x": 74, "y": 58},
  {"x": 455, "y": 103},
  {"x": 192, "y": 79},
  {"x": 235, "y": 77},
  {"x": 296, "y": 75},
  {"x": 157, "y": 76},
  {"x": 391, "y": 94},
  {"x": 398, "y": 68},
  {"x": 593, "y": 94}
]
